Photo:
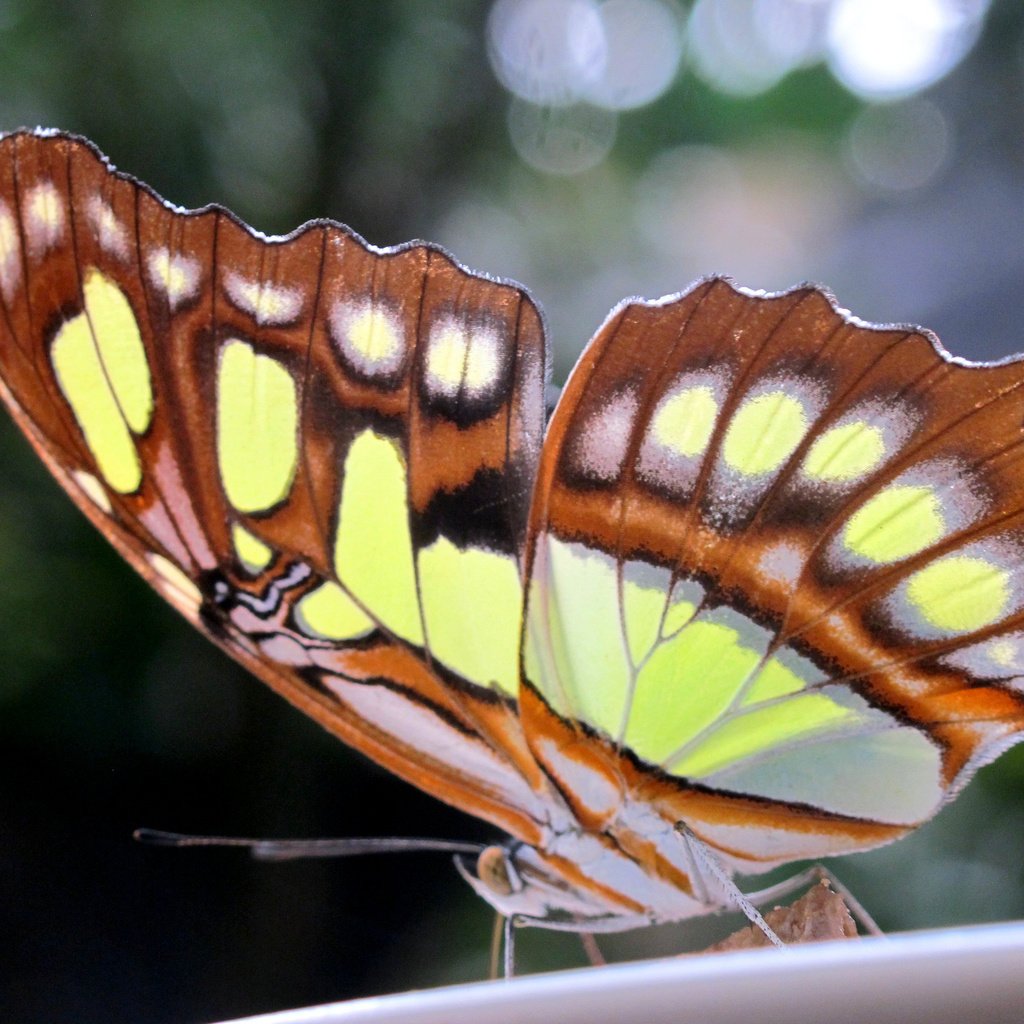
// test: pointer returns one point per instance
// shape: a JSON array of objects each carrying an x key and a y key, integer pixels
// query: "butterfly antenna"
[
  {"x": 295, "y": 849},
  {"x": 702, "y": 853}
]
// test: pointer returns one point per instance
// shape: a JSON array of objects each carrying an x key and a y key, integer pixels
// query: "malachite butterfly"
[{"x": 760, "y": 576}]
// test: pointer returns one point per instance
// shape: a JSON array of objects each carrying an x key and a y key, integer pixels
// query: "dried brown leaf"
[{"x": 820, "y": 915}]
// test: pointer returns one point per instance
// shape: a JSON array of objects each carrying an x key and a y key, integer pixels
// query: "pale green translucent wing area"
[
  {"x": 320, "y": 452},
  {"x": 775, "y": 557}
]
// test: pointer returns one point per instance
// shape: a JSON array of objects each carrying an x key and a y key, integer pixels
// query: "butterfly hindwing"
[{"x": 755, "y": 527}]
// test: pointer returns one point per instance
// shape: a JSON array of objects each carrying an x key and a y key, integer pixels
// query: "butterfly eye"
[{"x": 494, "y": 868}]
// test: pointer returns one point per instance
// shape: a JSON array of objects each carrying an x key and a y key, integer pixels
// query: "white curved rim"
[{"x": 949, "y": 975}]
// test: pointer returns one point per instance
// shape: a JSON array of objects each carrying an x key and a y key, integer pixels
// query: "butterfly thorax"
[{"x": 560, "y": 889}]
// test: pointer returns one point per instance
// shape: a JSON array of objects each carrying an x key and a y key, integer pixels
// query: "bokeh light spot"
[
  {"x": 899, "y": 147},
  {"x": 744, "y": 48},
  {"x": 561, "y": 140},
  {"x": 880, "y": 49},
  {"x": 757, "y": 214},
  {"x": 644, "y": 45},
  {"x": 546, "y": 51}
]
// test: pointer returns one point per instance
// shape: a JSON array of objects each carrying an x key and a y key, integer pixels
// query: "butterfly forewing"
[{"x": 310, "y": 447}]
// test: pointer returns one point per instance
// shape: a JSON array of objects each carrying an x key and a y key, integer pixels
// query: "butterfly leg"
[
  {"x": 503, "y": 936},
  {"x": 509, "y": 965},
  {"x": 816, "y": 873},
  {"x": 503, "y": 947},
  {"x": 708, "y": 865},
  {"x": 497, "y": 945},
  {"x": 591, "y": 948}
]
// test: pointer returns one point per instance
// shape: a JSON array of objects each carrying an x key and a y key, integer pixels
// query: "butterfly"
[{"x": 758, "y": 581}]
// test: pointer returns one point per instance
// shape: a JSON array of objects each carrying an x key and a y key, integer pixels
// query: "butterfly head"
[{"x": 521, "y": 881}]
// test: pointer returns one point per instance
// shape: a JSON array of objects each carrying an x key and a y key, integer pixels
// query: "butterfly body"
[{"x": 761, "y": 575}]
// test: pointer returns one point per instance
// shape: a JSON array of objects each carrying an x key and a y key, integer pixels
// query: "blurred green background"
[{"x": 589, "y": 150}]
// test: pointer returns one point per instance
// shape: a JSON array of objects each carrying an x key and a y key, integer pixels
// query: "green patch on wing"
[{"x": 709, "y": 698}]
